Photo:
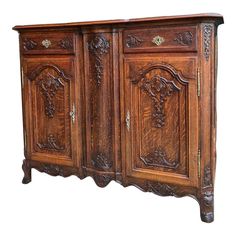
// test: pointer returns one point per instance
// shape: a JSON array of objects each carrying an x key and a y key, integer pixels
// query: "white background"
[{"x": 69, "y": 206}]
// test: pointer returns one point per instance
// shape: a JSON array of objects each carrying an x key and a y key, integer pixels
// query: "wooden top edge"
[{"x": 204, "y": 16}]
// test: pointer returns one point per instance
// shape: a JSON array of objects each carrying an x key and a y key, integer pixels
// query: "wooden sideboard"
[{"x": 127, "y": 100}]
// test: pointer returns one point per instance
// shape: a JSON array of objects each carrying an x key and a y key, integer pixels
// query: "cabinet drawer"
[
  {"x": 160, "y": 39},
  {"x": 47, "y": 43}
]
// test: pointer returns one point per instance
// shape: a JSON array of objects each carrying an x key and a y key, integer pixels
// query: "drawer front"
[
  {"x": 160, "y": 39},
  {"x": 47, "y": 43}
]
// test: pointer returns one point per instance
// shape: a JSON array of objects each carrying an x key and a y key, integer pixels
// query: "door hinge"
[
  {"x": 127, "y": 120},
  {"x": 199, "y": 162},
  {"x": 22, "y": 77},
  {"x": 72, "y": 114},
  {"x": 198, "y": 82}
]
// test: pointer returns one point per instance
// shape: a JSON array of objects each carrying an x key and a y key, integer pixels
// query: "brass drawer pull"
[
  {"x": 158, "y": 40},
  {"x": 46, "y": 43}
]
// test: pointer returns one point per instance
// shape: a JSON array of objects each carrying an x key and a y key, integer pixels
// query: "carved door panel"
[
  {"x": 50, "y": 109},
  {"x": 161, "y": 116}
]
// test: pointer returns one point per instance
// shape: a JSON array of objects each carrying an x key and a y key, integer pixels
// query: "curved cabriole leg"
[
  {"x": 207, "y": 205},
  {"x": 27, "y": 172}
]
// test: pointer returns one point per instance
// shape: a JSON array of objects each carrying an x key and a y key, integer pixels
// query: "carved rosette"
[
  {"x": 133, "y": 41},
  {"x": 158, "y": 159},
  {"x": 101, "y": 162},
  {"x": 207, "y": 35},
  {"x": 158, "y": 89},
  {"x": 98, "y": 46},
  {"x": 184, "y": 38},
  {"x": 29, "y": 44}
]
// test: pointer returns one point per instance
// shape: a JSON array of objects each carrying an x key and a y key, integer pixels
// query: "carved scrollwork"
[
  {"x": 158, "y": 159},
  {"x": 133, "y": 41},
  {"x": 207, "y": 205},
  {"x": 54, "y": 170},
  {"x": 66, "y": 43},
  {"x": 208, "y": 198},
  {"x": 207, "y": 35},
  {"x": 102, "y": 180},
  {"x": 102, "y": 162},
  {"x": 98, "y": 46},
  {"x": 50, "y": 144},
  {"x": 48, "y": 87},
  {"x": 29, "y": 44},
  {"x": 184, "y": 38},
  {"x": 158, "y": 89},
  {"x": 161, "y": 189},
  {"x": 49, "y": 83},
  {"x": 207, "y": 179}
]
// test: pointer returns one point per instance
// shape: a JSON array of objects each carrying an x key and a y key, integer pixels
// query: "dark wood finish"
[{"x": 125, "y": 100}]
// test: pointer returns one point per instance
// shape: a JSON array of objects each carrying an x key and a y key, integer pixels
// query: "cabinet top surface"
[{"x": 217, "y": 18}]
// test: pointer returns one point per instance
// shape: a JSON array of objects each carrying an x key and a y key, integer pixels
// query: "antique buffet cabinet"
[{"x": 127, "y": 100}]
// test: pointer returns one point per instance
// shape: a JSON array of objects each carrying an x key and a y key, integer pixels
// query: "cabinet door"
[
  {"x": 161, "y": 119},
  {"x": 50, "y": 109}
]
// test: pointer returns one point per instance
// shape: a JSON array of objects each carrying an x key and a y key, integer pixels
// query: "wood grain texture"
[
  {"x": 99, "y": 99},
  {"x": 126, "y": 100},
  {"x": 173, "y": 39},
  {"x": 47, "y": 43},
  {"x": 158, "y": 120}
]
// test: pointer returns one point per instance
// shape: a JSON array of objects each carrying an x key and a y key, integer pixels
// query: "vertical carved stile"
[
  {"x": 98, "y": 46},
  {"x": 207, "y": 35},
  {"x": 101, "y": 145}
]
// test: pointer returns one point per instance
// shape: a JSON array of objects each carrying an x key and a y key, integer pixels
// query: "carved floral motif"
[
  {"x": 158, "y": 158},
  {"x": 48, "y": 87},
  {"x": 100, "y": 161},
  {"x": 158, "y": 89},
  {"x": 98, "y": 46},
  {"x": 207, "y": 34},
  {"x": 133, "y": 41},
  {"x": 29, "y": 44},
  {"x": 184, "y": 38},
  {"x": 50, "y": 144}
]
